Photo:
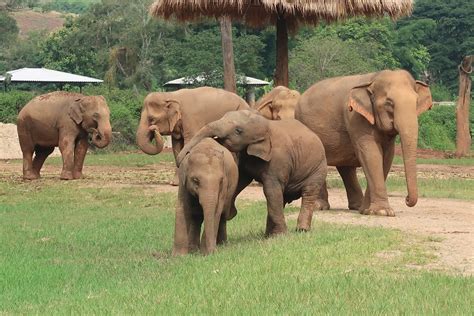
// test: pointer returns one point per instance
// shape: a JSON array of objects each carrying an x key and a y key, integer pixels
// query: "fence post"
[{"x": 463, "y": 136}]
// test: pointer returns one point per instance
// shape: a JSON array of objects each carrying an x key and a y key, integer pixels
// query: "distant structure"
[
  {"x": 249, "y": 83},
  {"x": 43, "y": 75}
]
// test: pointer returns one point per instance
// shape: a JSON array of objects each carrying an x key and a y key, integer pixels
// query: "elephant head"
[
  {"x": 391, "y": 102},
  {"x": 280, "y": 103},
  {"x": 93, "y": 115},
  {"x": 160, "y": 115},
  {"x": 204, "y": 179},
  {"x": 237, "y": 131}
]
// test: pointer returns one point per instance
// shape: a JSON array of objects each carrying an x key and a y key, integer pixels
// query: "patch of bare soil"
[
  {"x": 446, "y": 224},
  {"x": 29, "y": 21}
]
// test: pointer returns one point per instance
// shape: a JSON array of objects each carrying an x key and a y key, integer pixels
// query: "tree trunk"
[
  {"x": 463, "y": 137},
  {"x": 228, "y": 54},
  {"x": 281, "y": 71}
]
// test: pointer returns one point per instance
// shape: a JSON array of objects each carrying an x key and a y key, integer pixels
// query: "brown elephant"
[
  {"x": 280, "y": 103},
  {"x": 285, "y": 156},
  {"x": 208, "y": 177},
  {"x": 181, "y": 114},
  {"x": 357, "y": 118},
  {"x": 65, "y": 120}
]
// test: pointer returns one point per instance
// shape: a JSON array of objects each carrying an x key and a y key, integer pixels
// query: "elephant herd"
[{"x": 285, "y": 142}]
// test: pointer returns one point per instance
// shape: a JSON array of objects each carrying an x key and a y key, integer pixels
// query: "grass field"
[{"x": 70, "y": 248}]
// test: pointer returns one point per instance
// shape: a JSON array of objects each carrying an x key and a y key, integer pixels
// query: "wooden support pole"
[
  {"x": 281, "y": 70},
  {"x": 228, "y": 54},
  {"x": 463, "y": 136}
]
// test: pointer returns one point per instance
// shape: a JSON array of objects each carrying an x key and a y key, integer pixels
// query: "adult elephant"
[
  {"x": 280, "y": 103},
  {"x": 65, "y": 120},
  {"x": 285, "y": 156},
  {"x": 181, "y": 114},
  {"x": 357, "y": 118}
]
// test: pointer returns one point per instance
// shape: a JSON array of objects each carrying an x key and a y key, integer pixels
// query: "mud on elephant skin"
[
  {"x": 181, "y": 114},
  {"x": 208, "y": 180},
  {"x": 285, "y": 156},
  {"x": 65, "y": 120},
  {"x": 357, "y": 118},
  {"x": 278, "y": 104}
]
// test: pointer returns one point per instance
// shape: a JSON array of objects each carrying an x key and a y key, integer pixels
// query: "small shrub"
[
  {"x": 438, "y": 128},
  {"x": 11, "y": 103}
]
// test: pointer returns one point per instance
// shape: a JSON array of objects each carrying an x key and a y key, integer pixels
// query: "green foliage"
[
  {"x": 11, "y": 103},
  {"x": 69, "y": 6},
  {"x": 437, "y": 128},
  {"x": 8, "y": 29},
  {"x": 440, "y": 93}
]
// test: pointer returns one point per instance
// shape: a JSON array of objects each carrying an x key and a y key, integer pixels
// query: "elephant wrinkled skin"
[
  {"x": 64, "y": 120},
  {"x": 208, "y": 178},
  {"x": 357, "y": 118},
  {"x": 278, "y": 104},
  {"x": 181, "y": 114},
  {"x": 284, "y": 155}
]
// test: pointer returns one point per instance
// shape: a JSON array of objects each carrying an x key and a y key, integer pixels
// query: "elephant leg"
[
  {"x": 276, "y": 223},
  {"x": 323, "y": 198},
  {"x": 177, "y": 145},
  {"x": 28, "y": 171},
  {"x": 66, "y": 146},
  {"x": 222, "y": 232},
  {"x": 352, "y": 185},
  {"x": 309, "y": 200},
  {"x": 372, "y": 160},
  {"x": 244, "y": 181},
  {"x": 79, "y": 155},
  {"x": 41, "y": 153},
  {"x": 195, "y": 232},
  {"x": 183, "y": 220}
]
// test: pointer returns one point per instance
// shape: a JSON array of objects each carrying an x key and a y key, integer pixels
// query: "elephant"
[
  {"x": 181, "y": 114},
  {"x": 285, "y": 156},
  {"x": 208, "y": 178},
  {"x": 65, "y": 120},
  {"x": 357, "y": 118},
  {"x": 280, "y": 103}
]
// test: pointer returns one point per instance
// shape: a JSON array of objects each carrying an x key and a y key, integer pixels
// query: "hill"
[{"x": 28, "y": 21}]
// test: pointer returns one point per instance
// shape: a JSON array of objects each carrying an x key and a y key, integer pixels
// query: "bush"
[
  {"x": 440, "y": 93},
  {"x": 11, "y": 103},
  {"x": 438, "y": 128}
]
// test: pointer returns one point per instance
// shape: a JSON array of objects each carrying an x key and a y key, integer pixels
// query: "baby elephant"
[
  {"x": 208, "y": 178},
  {"x": 65, "y": 120}
]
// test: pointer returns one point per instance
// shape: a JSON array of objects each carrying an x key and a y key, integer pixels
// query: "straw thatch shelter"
[{"x": 287, "y": 15}]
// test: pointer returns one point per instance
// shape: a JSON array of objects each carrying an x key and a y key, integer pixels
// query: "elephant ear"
[
  {"x": 361, "y": 102},
  {"x": 425, "y": 102},
  {"x": 174, "y": 112},
  {"x": 76, "y": 110},
  {"x": 261, "y": 149}
]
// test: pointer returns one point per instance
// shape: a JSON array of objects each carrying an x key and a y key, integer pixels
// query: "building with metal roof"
[{"x": 43, "y": 75}]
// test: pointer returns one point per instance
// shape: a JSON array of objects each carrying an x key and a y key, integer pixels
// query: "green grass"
[
  {"x": 68, "y": 249},
  {"x": 467, "y": 161}
]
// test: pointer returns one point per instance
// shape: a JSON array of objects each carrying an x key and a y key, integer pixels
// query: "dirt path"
[{"x": 447, "y": 224}]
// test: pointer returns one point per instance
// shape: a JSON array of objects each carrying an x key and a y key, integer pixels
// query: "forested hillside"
[{"x": 118, "y": 41}]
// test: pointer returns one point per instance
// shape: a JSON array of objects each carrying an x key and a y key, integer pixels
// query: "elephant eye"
[
  {"x": 95, "y": 116},
  {"x": 195, "y": 180},
  {"x": 238, "y": 131}
]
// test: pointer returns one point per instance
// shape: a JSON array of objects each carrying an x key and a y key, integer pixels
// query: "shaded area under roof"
[
  {"x": 43, "y": 75},
  {"x": 243, "y": 80}
]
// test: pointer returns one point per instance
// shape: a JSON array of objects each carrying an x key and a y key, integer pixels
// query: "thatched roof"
[{"x": 264, "y": 12}]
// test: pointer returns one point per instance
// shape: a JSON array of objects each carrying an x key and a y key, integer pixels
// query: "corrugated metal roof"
[
  {"x": 243, "y": 80},
  {"x": 47, "y": 76}
]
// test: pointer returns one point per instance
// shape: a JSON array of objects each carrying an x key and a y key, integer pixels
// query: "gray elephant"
[
  {"x": 357, "y": 118},
  {"x": 285, "y": 156},
  {"x": 278, "y": 104},
  {"x": 181, "y": 114},
  {"x": 208, "y": 178},
  {"x": 65, "y": 120}
]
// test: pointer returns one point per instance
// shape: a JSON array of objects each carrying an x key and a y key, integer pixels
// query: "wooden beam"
[
  {"x": 463, "y": 136},
  {"x": 281, "y": 70},
  {"x": 228, "y": 54}
]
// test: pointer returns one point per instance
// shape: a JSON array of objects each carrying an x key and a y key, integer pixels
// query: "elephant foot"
[
  {"x": 30, "y": 176},
  {"x": 232, "y": 212},
  {"x": 66, "y": 175},
  {"x": 77, "y": 175},
  {"x": 276, "y": 231},
  {"x": 322, "y": 205},
  {"x": 378, "y": 210},
  {"x": 355, "y": 206}
]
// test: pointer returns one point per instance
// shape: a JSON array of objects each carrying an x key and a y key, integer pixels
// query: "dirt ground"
[{"x": 447, "y": 225}]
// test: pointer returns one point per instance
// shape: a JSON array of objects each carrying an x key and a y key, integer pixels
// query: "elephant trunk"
[
  {"x": 145, "y": 136},
  {"x": 102, "y": 135},
  {"x": 214, "y": 129},
  {"x": 211, "y": 221},
  {"x": 408, "y": 130}
]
